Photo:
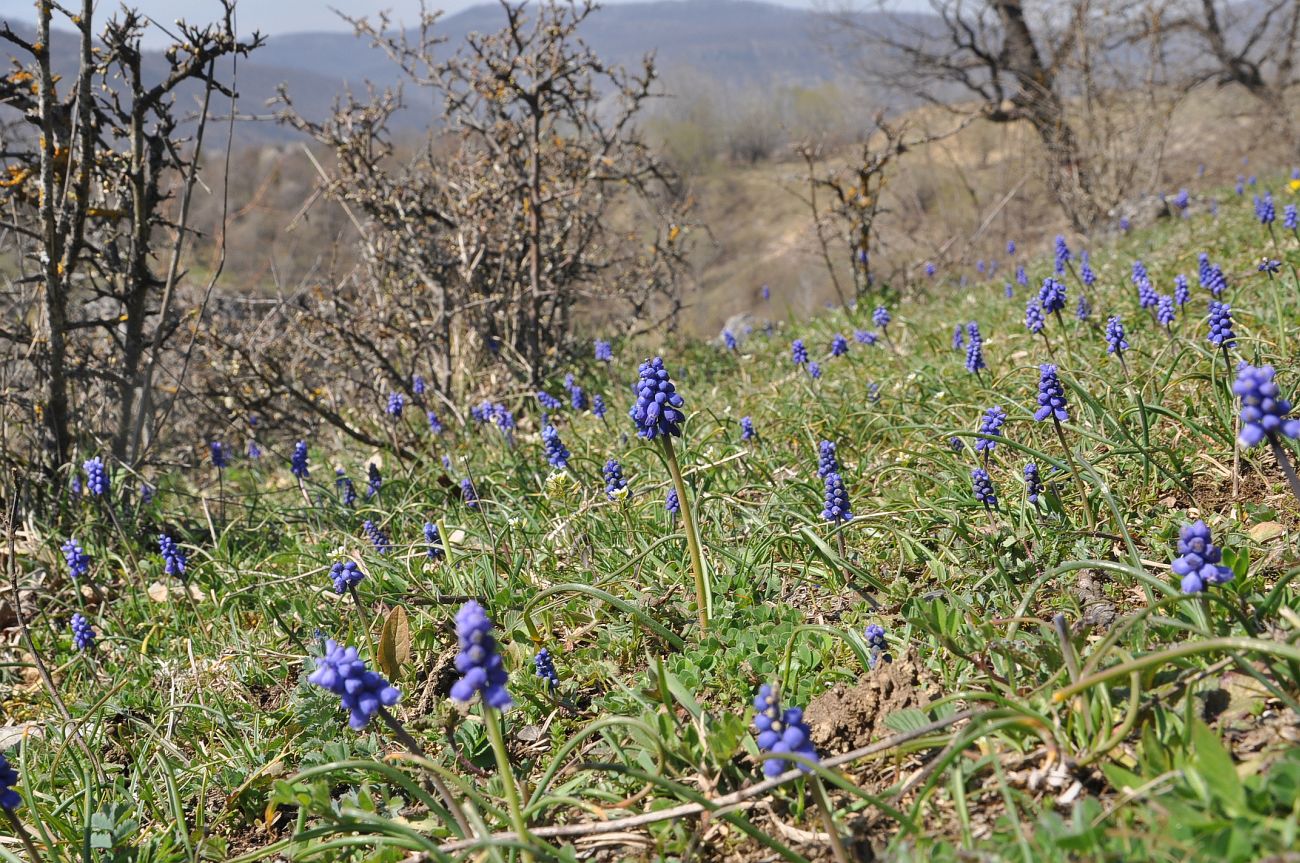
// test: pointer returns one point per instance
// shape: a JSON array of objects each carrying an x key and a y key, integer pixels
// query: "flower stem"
[
  {"x": 1074, "y": 470},
  {"x": 413, "y": 746},
  {"x": 837, "y": 844},
  {"x": 26, "y": 837},
  {"x": 1285, "y": 463},
  {"x": 692, "y": 533},
  {"x": 492, "y": 719}
]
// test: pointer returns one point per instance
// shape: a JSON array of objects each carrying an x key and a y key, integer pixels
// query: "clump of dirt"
[{"x": 849, "y": 717}]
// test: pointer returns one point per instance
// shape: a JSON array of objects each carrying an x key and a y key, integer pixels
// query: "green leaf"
[
  {"x": 1211, "y": 759},
  {"x": 907, "y": 719}
]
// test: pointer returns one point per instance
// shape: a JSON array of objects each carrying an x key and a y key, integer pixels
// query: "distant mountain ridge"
[{"x": 731, "y": 44}]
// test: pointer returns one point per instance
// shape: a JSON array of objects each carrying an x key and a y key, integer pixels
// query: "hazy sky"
[{"x": 287, "y": 16}]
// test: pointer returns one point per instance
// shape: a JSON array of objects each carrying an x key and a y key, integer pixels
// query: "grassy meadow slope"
[{"x": 1141, "y": 724}]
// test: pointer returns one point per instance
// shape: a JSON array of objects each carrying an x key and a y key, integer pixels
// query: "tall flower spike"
[
  {"x": 1116, "y": 340},
  {"x": 1034, "y": 320},
  {"x": 1033, "y": 482},
  {"x": 546, "y": 668},
  {"x": 78, "y": 560},
  {"x": 173, "y": 556},
  {"x": 827, "y": 459},
  {"x": 1147, "y": 296},
  {"x": 83, "y": 634},
  {"x": 1083, "y": 309},
  {"x": 97, "y": 482},
  {"x": 378, "y": 538},
  {"x": 881, "y": 317},
  {"x": 672, "y": 504},
  {"x": 1182, "y": 293},
  {"x": 1022, "y": 278},
  {"x": 219, "y": 459},
  {"x": 1221, "y": 334},
  {"x": 548, "y": 401},
  {"x": 957, "y": 341},
  {"x": 346, "y": 574},
  {"x": 9, "y": 798},
  {"x": 729, "y": 339},
  {"x": 557, "y": 455},
  {"x": 435, "y": 425},
  {"x": 418, "y": 386},
  {"x": 298, "y": 463},
  {"x": 1264, "y": 413},
  {"x": 747, "y": 428},
  {"x": 363, "y": 692},
  {"x": 798, "y": 353},
  {"x": 974, "y": 350},
  {"x": 982, "y": 485},
  {"x": 1062, "y": 254},
  {"x": 657, "y": 410},
  {"x": 1051, "y": 395},
  {"x": 374, "y": 481},
  {"x": 1199, "y": 559},
  {"x": 781, "y": 732},
  {"x": 1264, "y": 210},
  {"x": 1290, "y": 218},
  {"x": 396, "y": 403},
  {"x": 1165, "y": 311},
  {"x": 598, "y": 406},
  {"x": 1051, "y": 296},
  {"x": 815, "y": 370},
  {"x": 837, "y": 508},
  {"x": 864, "y": 337},
  {"x": 839, "y": 345},
  {"x": 615, "y": 484},
  {"x": 604, "y": 351},
  {"x": 436, "y": 551},
  {"x": 991, "y": 424},
  {"x": 482, "y": 671}
]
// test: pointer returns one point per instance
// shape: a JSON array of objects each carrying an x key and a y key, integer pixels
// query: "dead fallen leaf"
[{"x": 1266, "y": 530}]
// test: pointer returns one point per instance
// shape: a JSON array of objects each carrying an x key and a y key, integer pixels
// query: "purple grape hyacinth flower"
[
  {"x": 672, "y": 504},
  {"x": 1051, "y": 395},
  {"x": 1051, "y": 296},
  {"x": 396, "y": 404},
  {"x": 362, "y": 691},
  {"x": 839, "y": 345},
  {"x": 83, "y": 634},
  {"x": 827, "y": 459},
  {"x": 97, "y": 482},
  {"x": 958, "y": 340},
  {"x": 1264, "y": 413},
  {"x": 1116, "y": 340},
  {"x": 1034, "y": 320},
  {"x": 781, "y": 732},
  {"x": 1264, "y": 210},
  {"x": 9, "y": 798},
  {"x": 815, "y": 369},
  {"x": 1062, "y": 254},
  {"x": 798, "y": 352},
  {"x": 480, "y": 665},
  {"x": 615, "y": 484},
  {"x": 78, "y": 560},
  {"x": 881, "y": 317},
  {"x": 1033, "y": 482},
  {"x": 173, "y": 556},
  {"x": 557, "y": 455},
  {"x": 545, "y": 667},
  {"x": 747, "y": 428},
  {"x": 604, "y": 351},
  {"x": 378, "y": 538},
  {"x": 1221, "y": 334},
  {"x": 346, "y": 574},
  {"x": 1182, "y": 293},
  {"x": 657, "y": 410},
  {"x": 1199, "y": 559},
  {"x": 991, "y": 425},
  {"x": 219, "y": 458},
  {"x": 468, "y": 493},
  {"x": 298, "y": 462},
  {"x": 982, "y": 485},
  {"x": 864, "y": 337},
  {"x": 837, "y": 508},
  {"x": 431, "y": 536}
]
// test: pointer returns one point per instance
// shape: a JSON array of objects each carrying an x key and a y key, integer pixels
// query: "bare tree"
[
  {"x": 1252, "y": 45},
  {"x": 95, "y": 177},
  {"x": 531, "y": 203}
]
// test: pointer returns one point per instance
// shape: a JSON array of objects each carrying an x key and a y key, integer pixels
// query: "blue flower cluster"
[
  {"x": 672, "y": 504},
  {"x": 839, "y": 345},
  {"x": 468, "y": 493},
  {"x": 557, "y": 454},
  {"x": 1264, "y": 413},
  {"x": 1199, "y": 559},
  {"x": 1033, "y": 482},
  {"x": 1051, "y": 296},
  {"x": 604, "y": 351},
  {"x": 657, "y": 410},
  {"x": 546, "y": 668},
  {"x": 1034, "y": 319},
  {"x": 362, "y": 691},
  {"x": 346, "y": 574},
  {"x": 1221, "y": 334},
  {"x": 837, "y": 500},
  {"x": 548, "y": 401},
  {"x": 9, "y": 798},
  {"x": 982, "y": 485},
  {"x": 1117, "y": 342},
  {"x": 482, "y": 671},
  {"x": 219, "y": 459},
  {"x": 881, "y": 317},
  {"x": 1051, "y": 395},
  {"x": 298, "y": 462},
  {"x": 396, "y": 404},
  {"x": 78, "y": 560},
  {"x": 827, "y": 459},
  {"x": 615, "y": 484},
  {"x": 96, "y": 477},
  {"x": 747, "y": 428},
  {"x": 1264, "y": 210},
  {"x": 378, "y": 538},
  {"x": 1062, "y": 254},
  {"x": 974, "y": 349},
  {"x": 781, "y": 732},
  {"x": 83, "y": 634},
  {"x": 436, "y": 551},
  {"x": 991, "y": 424},
  {"x": 172, "y": 554},
  {"x": 798, "y": 352}
]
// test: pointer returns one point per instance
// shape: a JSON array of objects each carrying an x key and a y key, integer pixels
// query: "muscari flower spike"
[
  {"x": 362, "y": 691},
  {"x": 173, "y": 556},
  {"x": 254, "y": 451},
  {"x": 546, "y": 668},
  {"x": 798, "y": 353},
  {"x": 435, "y": 425},
  {"x": 1199, "y": 559},
  {"x": 604, "y": 351},
  {"x": 83, "y": 634},
  {"x": 557, "y": 455},
  {"x": 657, "y": 410},
  {"x": 781, "y": 732},
  {"x": 548, "y": 401},
  {"x": 1051, "y": 296},
  {"x": 374, "y": 481},
  {"x": 1290, "y": 217},
  {"x": 1082, "y": 309},
  {"x": 1165, "y": 311},
  {"x": 9, "y": 798},
  {"x": 958, "y": 342},
  {"x": 378, "y": 538},
  {"x": 930, "y": 269},
  {"x": 974, "y": 350},
  {"x": 1139, "y": 272},
  {"x": 729, "y": 339},
  {"x": 672, "y": 504},
  {"x": 78, "y": 560},
  {"x": 418, "y": 386},
  {"x": 468, "y": 493},
  {"x": 349, "y": 492},
  {"x": 1182, "y": 293},
  {"x": 1022, "y": 278},
  {"x": 219, "y": 459},
  {"x": 1116, "y": 340},
  {"x": 1033, "y": 482},
  {"x": 747, "y": 428},
  {"x": 1264, "y": 210},
  {"x": 983, "y": 488},
  {"x": 1264, "y": 413},
  {"x": 298, "y": 463},
  {"x": 598, "y": 406},
  {"x": 839, "y": 345},
  {"x": 880, "y": 317},
  {"x": 615, "y": 484},
  {"x": 1086, "y": 274},
  {"x": 396, "y": 403},
  {"x": 97, "y": 482},
  {"x": 1051, "y": 395},
  {"x": 815, "y": 370},
  {"x": 1034, "y": 319},
  {"x": 1062, "y": 254},
  {"x": 837, "y": 508},
  {"x": 864, "y": 337},
  {"x": 1147, "y": 296},
  {"x": 1221, "y": 334},
  {"x": 827, "y": 459},
  {"x": 1270, "y": 266},
  {"x": 479, "y": 663},
  {"x": 991, "y": 424},
  {"x": 346, "y": 574},
  {"x": 435, "y": 550},
  {"x": 1011, "y": 247},
  {"x": 875, "y": 638}
]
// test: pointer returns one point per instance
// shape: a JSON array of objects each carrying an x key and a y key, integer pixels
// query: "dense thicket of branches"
[
  {"x": 97, "y": 178},
  {"x": 533, "y": 201}
]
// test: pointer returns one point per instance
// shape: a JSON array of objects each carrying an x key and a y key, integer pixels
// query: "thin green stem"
[
  {"x": 837, "y": 844},
  {"x": 24, "y": 836},
  {"x": 702, "y": 594},
  {"x": 492, "y": 720},
  {"x": 1074, "y": 470}
]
